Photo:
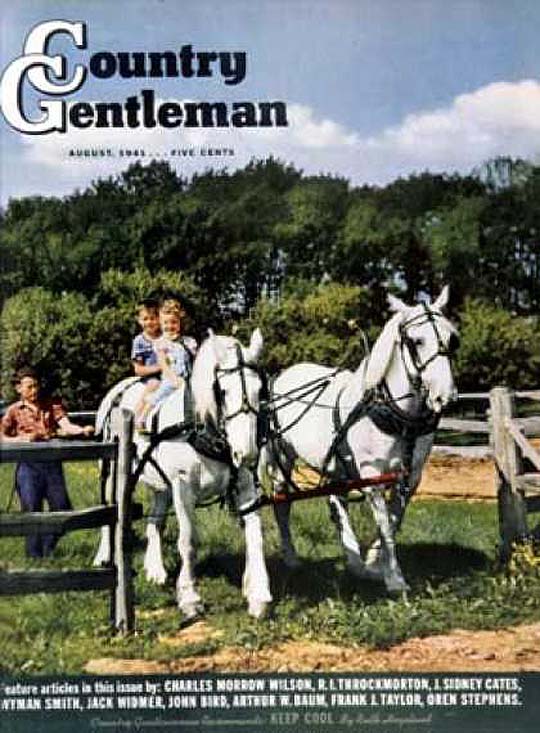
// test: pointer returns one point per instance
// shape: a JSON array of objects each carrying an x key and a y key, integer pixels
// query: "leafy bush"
[
  {"x": 51, "y": 334},
  {"x": 497, "y": 348},
  {"x": 81, "y": 348},
  {"x": 315, "y": 323}
]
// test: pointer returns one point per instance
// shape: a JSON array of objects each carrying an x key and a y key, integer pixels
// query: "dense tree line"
[{"x": 309, "y": 257}]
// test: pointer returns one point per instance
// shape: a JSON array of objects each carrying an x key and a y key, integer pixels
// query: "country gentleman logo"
[{"x": 53, "y": 80}]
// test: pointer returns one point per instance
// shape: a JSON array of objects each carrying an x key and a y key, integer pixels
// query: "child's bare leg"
[{"x": 143, "y": 406}]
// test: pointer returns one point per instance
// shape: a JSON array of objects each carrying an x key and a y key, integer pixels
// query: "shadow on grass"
[
  {"x": 316, "y": 580},
  {"x": 438, "y": 563}
]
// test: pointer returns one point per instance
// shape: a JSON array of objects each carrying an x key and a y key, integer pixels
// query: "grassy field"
[{"x": 448, "y": 552}]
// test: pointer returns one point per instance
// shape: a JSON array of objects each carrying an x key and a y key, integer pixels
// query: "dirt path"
[
  {"x": 452, "y": 477},
  {"x": 511, "y": 650}
]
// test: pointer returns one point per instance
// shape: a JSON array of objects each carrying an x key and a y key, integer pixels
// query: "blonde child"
[{"x": 174, "y": 357}]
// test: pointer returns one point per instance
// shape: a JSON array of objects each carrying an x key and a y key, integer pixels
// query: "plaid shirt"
[{"x": 22, "y": 418}]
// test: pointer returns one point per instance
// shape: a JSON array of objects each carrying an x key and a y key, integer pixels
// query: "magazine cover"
[{"x": 270, "y": 365}]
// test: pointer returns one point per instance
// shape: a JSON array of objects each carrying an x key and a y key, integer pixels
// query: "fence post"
[
  {"x": 124, "y": 616},
  {"x": 508, "y": 464}
]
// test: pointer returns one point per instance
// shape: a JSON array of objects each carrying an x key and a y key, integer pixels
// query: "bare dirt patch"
[
  {"x": 453, "y": 477},
  {"x": 511, "y": 650}
]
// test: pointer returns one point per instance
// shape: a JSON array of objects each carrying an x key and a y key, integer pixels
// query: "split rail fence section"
[
  {"x": 118, "y": 576},
  {"x": 518, "y": 490}
]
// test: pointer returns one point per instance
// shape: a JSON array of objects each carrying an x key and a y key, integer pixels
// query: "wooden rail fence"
[
  {"x": 518, "y": 487},
  {"x": 518, "y": 493},
  {"x": 118, "y": 577}
]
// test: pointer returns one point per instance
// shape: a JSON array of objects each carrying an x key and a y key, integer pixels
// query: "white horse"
[
  {"x": 225, "y": 388},
  {"x": 379, "y": 419}
]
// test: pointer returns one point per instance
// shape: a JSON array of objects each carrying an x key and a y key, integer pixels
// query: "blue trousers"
[{"x": 38, "y": 482}]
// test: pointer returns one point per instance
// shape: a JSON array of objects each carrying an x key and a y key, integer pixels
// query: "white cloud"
[{"x": 502, "y": 118}]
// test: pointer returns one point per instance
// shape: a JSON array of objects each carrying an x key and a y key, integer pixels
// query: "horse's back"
[
  {"x": 307, "y": 373},
  {"x": 305, "y": 396},
  {"x": 115, "y": 395}
]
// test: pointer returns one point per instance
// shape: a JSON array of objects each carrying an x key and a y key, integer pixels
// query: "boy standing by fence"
[{"x": 31, "y": 419}]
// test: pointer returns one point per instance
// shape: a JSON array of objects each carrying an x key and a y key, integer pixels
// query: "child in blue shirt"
[
  {"x": 174, "y": 356},
  {"x": 143, "y": 353}
]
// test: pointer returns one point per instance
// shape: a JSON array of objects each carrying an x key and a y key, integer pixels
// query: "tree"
[
  {"x": 496, "y": 348},
  {"x": 321, "y": 324},
  {"x": 453, "y": 236},
  {"x": 51, "y": 334},
  {"x": 309, "y": 230}
]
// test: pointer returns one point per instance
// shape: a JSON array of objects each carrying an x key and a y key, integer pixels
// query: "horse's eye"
[{"x": 418, "y": 341}]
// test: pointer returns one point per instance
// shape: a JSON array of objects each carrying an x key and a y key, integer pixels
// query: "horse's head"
[
  {"x": 423, "y": 340},
  {"x": 227, "y": 390}
]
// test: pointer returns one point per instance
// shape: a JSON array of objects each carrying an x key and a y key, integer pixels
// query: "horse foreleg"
[
  {"x": 399, "y": 500},
  {"x": 387, "y": 563},
  {"x": 189, "y": 601},
  {"x": 282, "y": 513},
  {"x": 341, "y": 519},
  {"x": 270, "y": 473},
  {"x": 375, "y": 559},
  {"x": 154, "y": 567},
  {"x": 103, "y": 554},
  {"x": 255, "y": 583}
]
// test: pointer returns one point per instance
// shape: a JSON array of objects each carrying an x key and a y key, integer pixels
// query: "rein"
[{"x": 379, "y": 405}]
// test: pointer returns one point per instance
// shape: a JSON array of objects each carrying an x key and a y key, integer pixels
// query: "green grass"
[{"x": 448, "y": 552}]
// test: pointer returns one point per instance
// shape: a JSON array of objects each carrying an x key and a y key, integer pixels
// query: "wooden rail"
[
  {"x": 518, "y": 492},
  {"x": 40, "y": 523},
  {"x": 56, "y": 581},
  {"x": 56, "y": 450},
  {"x": 118, "y": 578}
]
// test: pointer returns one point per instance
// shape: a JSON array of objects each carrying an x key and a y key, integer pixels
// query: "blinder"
[
  {"x": 245, "y": 407},
  {"x": 406, "y": 341}
]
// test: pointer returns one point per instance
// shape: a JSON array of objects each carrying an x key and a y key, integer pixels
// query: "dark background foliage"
[{"x": 308, "y": 258}]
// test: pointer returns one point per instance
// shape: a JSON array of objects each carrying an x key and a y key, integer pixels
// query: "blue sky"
[{"x": 375, "y": 89}]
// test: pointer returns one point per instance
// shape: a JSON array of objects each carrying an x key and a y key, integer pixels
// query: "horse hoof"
[
  {"x": 363, "y": 572},
  {"x": 258, "y": 609},
  {"x": 191, "y": 613},
  {"x": 100, "y": 561},
  {"x": 396, "y": 586},
  {"x": 157, "y": 576}
]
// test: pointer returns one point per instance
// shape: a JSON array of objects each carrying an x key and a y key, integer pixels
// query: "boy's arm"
[
  {"x": 22, "y": 438},
  {"x": 64, "y": 423},
  {"x": 143, "y": 370},
  {"x": 70, "y": 428},
  {"x": 139, "y": 352}
]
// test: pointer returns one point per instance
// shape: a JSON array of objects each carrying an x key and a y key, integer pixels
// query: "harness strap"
[
  {"x": 339, "y": 446},
  {"x": 168, "y": 433}
]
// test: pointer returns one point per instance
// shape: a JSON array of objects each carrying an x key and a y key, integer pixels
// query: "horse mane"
[{"x": 210, "y": 354}]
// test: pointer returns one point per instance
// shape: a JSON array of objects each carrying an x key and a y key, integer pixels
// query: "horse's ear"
[
  {"x": 396, "y": 305},
  {"x": 381, "y": 354},
  {"x": 255, "y": 346},
  {"x": 442, "y": 300},
  {"x": 216, "y": 345}
]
